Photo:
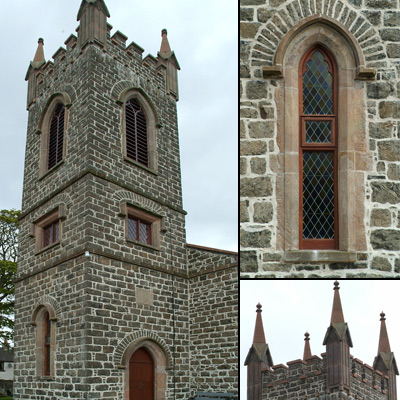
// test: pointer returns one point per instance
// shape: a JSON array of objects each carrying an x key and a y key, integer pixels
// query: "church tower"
[{"x": 111, "y": 302}]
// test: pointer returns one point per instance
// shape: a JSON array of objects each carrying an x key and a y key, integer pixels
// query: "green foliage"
[{"x": 8, "y": 271}]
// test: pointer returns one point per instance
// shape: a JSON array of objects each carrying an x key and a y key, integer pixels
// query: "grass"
[{"x": 6, "y": 398}]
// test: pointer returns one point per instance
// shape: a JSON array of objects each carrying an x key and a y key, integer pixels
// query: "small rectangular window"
[
  {"x": 51, "y": 233},
  {"x": 142, "y": 227},
  {"x": 139, "y": 230},
  {"x": 47, "y": 230},
  {"x": 1, "y": 365}
]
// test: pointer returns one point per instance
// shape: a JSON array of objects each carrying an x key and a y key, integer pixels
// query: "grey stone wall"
[
  {"x": 106, "y": 290},
  {"x": 375, "y": 26}
]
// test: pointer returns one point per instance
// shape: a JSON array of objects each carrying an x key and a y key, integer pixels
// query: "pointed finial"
[
  {"x": 165, "y": 48},
  {"x": 307, "y": 348},
  {"x": 337, "y": 312},
  {"x": 384, "y": 344},
  {"x": 259, "y": 336},
  {"x": 39, "y": 59},
  {"x": 336, "y": 283}
]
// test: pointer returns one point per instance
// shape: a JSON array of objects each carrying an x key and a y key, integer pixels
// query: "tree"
[{"x": 8, "y": 271}]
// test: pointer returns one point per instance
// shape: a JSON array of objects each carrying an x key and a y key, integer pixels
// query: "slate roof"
[{"x": 6, "y": 355}]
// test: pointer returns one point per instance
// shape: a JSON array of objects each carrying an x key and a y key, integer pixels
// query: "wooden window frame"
[
  {"x": 318, "y": 244},
  {"x": 41, "y": 224},
  {"x": 150, "y": 219},
  {"x": 47, "y": 344},
  {"x": 44, "y": 320}
]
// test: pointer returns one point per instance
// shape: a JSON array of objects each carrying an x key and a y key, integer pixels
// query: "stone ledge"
[{"x": 319, "y": 256}]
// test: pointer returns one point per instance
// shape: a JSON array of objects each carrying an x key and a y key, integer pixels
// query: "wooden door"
[{"x": 141, "y": 376}]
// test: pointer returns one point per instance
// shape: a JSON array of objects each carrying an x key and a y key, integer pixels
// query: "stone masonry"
[
  {"x": 369, "y": 186},
  {"x": 108, "y": 295}
]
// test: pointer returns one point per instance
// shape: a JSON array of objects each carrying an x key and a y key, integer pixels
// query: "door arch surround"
[{"x": 161, "y": 365}]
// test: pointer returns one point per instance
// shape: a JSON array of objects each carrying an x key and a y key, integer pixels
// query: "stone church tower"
[
  {"x": 334, "y": 375},
  {"x": 111, "y": 302},
  {"x": 320, "y": 143}
]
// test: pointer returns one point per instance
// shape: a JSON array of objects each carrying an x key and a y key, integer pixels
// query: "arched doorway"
[{"x": 141, "y": 375}]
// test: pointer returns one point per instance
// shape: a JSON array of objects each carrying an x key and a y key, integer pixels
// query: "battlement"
[
  {"x": 162, "y": 68},
  {"x": 281, "y": 379}
]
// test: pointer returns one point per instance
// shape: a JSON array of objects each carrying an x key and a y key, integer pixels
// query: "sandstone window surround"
[
  {"x": 354, "y": 159},
  {"x": 144, "y": 219},
  {"x": 44, "y": 320},
  {"x": 53, "y": 137},
  {"x": 47, "y": 230},
  {"x": 139, "y": 97}
]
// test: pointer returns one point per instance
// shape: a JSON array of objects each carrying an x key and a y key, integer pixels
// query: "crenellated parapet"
[
  {"x": 94, "y": 32},
  {"x": 280, "y": 379}
]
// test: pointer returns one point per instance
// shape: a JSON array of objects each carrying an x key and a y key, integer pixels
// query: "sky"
[
  {"x": 292, "y": 307},
  {"x": 204, "y": 38}
]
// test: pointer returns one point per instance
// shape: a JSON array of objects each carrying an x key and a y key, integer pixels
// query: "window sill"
[
  {"x": 43, "y": 249},
  {"x": 319, "y": 256},
  {"x": 52, "y": 169},
  {"x": 129, "y": 160},
  {"x": 149, "y": 246}
]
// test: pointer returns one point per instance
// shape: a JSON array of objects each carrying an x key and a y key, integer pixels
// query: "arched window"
[
  {"x": 141, "y": 375},
  {"x": 44, "y": 320},
  {"x": 318, "y": 150},
  {"x": 56, "y": 136},
  {"x": 52, "y": 129},
  {"x": 47, "y": 344},
  {"x": 136, "y": 132}
]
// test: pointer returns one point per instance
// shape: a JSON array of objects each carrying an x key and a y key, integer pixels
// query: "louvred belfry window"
[
  {"x": 56, "y": 136},
  {"x": 136, "y": 132},
  {"x": 318, "y": 150}
]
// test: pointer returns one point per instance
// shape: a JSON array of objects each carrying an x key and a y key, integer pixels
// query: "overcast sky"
[
  {"x": 204, "y": 38},
  {"x": 290, "y": 308}
]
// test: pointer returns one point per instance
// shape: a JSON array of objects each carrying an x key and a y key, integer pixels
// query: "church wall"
[
  {"x": 375, "y": 183},
  {"x": 214, "y": 357}
]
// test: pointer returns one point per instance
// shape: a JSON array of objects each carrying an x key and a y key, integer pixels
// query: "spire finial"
[
  {"x": 165, "y": 48},
  {"x": 384, "y": 344},
  {"x": 39, "y": 59},
  {"x": 259, "y": 336},
  {"x": 307, "y": 348},
  {"x": 337, "y": 312}
]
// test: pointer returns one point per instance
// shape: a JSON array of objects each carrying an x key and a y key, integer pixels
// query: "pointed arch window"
[
  {"x": 56, "y": 136},
  {"x": 136, "y": 132},
  {"x": 47, "y": 344},
  {"x": 318, "y": 150}
]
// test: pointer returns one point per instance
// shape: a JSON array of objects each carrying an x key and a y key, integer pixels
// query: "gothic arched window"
[
  {"x": 56, "y": 136},
  {"x": 46, "y": 344},
  {"x": 136, "y": 132},
  {"x": 318, "y": 150}
]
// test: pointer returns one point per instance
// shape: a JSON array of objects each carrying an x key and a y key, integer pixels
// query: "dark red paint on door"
[{"x": 141, "y": 376}]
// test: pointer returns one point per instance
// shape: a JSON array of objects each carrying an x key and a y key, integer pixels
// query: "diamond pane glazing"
[
  {"x": 318, "y": 195},
  {"x": 132, "y": 228},
  {"x": 318, "y": 131},
  {"x": 144, "y": 232},
  {"x": 317, "y": 87}
]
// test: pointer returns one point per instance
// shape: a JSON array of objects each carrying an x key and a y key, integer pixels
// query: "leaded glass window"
[{"x": 318, "y": 189}]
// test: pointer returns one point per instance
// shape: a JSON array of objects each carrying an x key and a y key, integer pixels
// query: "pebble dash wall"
[
  {"x": 109, "y": 295},
  {"x": 374, "y": 25}
]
